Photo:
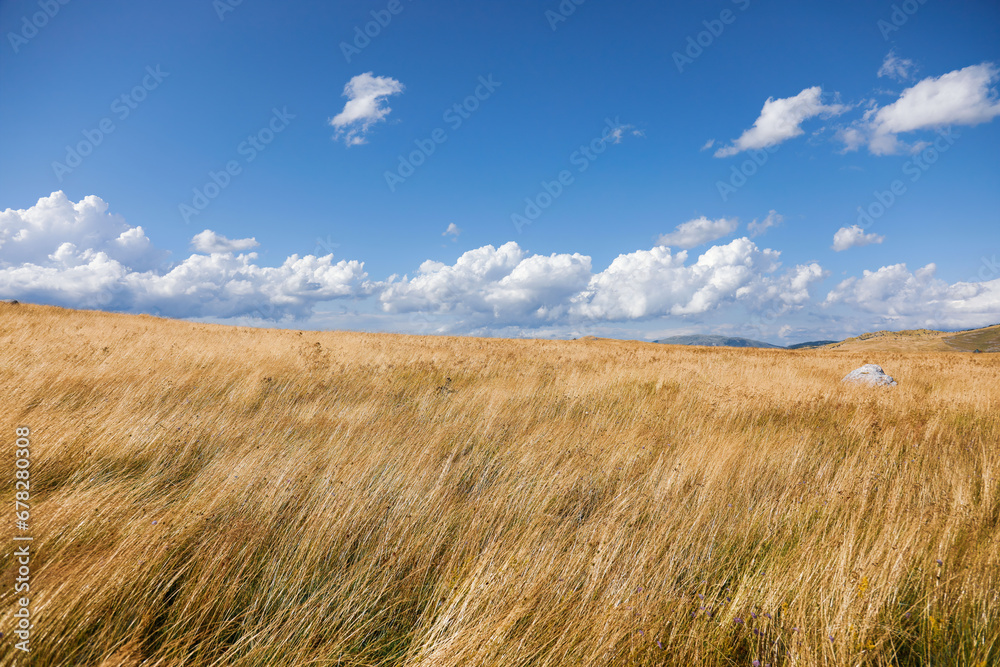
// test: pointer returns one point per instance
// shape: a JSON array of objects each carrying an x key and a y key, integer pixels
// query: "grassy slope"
[
  {"x": 333, "y": 498},
  {"x": 986, "y": 340},
  {"x": 924, "y": 340}
]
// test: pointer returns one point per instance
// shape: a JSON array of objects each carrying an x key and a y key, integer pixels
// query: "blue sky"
[{"x": 644, "y": 109}]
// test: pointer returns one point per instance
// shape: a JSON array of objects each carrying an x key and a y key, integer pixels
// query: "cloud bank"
[
  {"x": 507, "y": 286},
  {"x": 908, "y": 299},
  {"x": 79, "y": 255}
]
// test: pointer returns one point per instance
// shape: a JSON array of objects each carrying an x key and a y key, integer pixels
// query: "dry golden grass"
[
  {"x": 923, "y": 340},
  {"x": 984, "y": 340},
  {"x": 208, "y": 495}
]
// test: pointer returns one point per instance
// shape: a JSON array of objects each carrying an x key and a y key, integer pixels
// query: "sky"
[{"x": 786, "y": 171}]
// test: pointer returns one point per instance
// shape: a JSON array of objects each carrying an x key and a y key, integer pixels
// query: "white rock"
[{"x": 870, "y": 374}]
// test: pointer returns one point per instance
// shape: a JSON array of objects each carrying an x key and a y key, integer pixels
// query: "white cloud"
[
  {"x": 34, "y": 234},
  {"x": 904, "y": 299},
  {"x": 853, "y": 138},
  {"x": 453, "y": 229},
  {"x": 220, "y": 285},
  {"x": 757, "y": 228},
  {"x": 504, "y": 286},
  {"x": 899, "y": 69},
  {"x": 63, "y": 252},
  {"x": 960, "y": 97},
  {"x": 227, "y": 285},
  {"x": 708, "y": 144},
  {"x": 781, "y": 119},
  {"x": 698, "y": 231},
  {"x": 649, "y": 283},
  {"x": 210, "y": 242},
  {"x": 615, "y": 134},
  {"x": 854, "y": 237},
  {"x": 502, "y": 283},
  {"x": 366, "y": 96},
  {"x": 76, "y": 255}
]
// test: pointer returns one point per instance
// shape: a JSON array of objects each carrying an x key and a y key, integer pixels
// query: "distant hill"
[
  {"x": 986, "y": 339},
  {"x": 814, "y": 343},
  {"x": 736, "y": 341},
  {"x": 715, "y": 341}
]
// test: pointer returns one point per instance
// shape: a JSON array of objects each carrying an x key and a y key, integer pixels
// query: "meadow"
[{"x": 211, "y": 495}]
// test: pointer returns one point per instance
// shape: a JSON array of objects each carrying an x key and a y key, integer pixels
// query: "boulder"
[{"x": 870, "y": 374}]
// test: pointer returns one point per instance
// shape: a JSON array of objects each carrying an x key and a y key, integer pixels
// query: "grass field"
[{"x": 208, "y": 495}]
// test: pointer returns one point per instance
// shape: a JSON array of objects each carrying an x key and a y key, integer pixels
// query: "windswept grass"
[{"x": 209, "y": 495}]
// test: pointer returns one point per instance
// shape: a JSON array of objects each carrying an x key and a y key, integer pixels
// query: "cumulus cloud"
[
  {"x": 896, "y": 68},
  {"x": 77, "y": 255},
  {"x": 209, "y": 242},
  {"x": 960, "y": 97},
  {"x": 366, "y": 96},
  {"x": 698, "y": 231},
  {"x": 57, "y": 230},
  {"x": 506, "y": 286},
  {"x": 905, "y": 299},
  {"x": 453, "y": 230},
  {"x": 503, "y": 283},
  {"x": 757, "y": 228},
  {"x": 854, "y": 237},
  {"x": 74, "y": 254},
  {"x": 781, "y": 119},
  {"x": 220, "y": 285},
  {"x": 649, "y": 282}
]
